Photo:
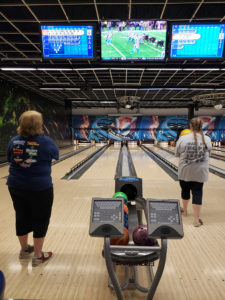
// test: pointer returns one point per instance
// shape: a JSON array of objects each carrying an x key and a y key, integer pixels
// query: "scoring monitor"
[
  {"x": 67, "y": 41},
  {"x": 197, "y": 41}
]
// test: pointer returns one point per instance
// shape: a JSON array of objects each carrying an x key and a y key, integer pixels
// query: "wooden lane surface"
[
  {"x": 194, "y": 269},
  {"x": 220, "y": 153},
  {"x": 59, "y": 169},
  {"x": 68, "y": 149}
]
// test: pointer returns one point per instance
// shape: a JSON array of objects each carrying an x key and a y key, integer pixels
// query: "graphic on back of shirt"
[
  {"x": 25, "y": 152},
  {"x": 195, "y": 155}
]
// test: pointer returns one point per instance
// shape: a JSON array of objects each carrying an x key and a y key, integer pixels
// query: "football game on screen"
[{"x": 133, "y": 40}]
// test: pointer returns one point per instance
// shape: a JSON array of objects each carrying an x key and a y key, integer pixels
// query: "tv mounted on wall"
[
  {"x": 197, "y": 40},
  {"x": 67, "y": 41},
  {"x": 133, "y": 40}
]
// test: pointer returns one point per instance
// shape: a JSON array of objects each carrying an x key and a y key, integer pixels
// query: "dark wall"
[{"x": 14, "y": 101}]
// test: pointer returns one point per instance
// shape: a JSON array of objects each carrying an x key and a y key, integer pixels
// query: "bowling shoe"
[
  {"x": 39, "y": 260},
  {"x": 26, "y": 253},
  {"x": 199, "y": 223},
  {"x": 184, "y": 213}
]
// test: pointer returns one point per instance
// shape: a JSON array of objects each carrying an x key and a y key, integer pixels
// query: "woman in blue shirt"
[{"x": 30, "y": 184}]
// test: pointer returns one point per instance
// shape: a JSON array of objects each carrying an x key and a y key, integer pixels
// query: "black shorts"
[
  {"x": 33, "y": 211},
  {"x": 195, "y": 188}
]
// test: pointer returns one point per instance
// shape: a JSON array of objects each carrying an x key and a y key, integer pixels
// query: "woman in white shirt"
[{"x": 193, "y": 151}]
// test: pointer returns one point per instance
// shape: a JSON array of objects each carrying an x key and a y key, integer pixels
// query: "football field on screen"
[{"x": 122, "y": 48}]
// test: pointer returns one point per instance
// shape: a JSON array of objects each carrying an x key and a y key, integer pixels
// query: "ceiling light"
[
  {"x": 218, "y": 106},
  {"x": 127, "y": 69},
  {"x": 55, "y": 83},
  {"x": 54, "y": 69},
  {"x": 164, "y": 69},
  {"x": 52, "y": 88},
  {"x": 92, "y": 69},
  {"x": 18, "y": 69},
  {"x": 193, "y": 69},
  {"x": 128, "y": 105},
  {"x": 102, "y": 89},
  {"x": 125, "y": 89}
]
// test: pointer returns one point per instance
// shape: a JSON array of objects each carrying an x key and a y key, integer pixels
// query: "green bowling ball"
[{"x": 121, "y": 195}]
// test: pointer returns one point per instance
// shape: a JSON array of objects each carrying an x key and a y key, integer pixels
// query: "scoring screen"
[
  {"x": 67, "y": 41},
  {"x": 197, "y": 40},
  {"x": 163, "y": 212},
  {"x": 107, "y": 211}
]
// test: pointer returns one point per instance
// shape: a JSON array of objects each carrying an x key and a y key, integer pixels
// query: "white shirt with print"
[{"x": 193, "y": 165}]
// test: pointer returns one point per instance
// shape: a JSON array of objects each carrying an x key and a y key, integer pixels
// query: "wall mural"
[
  {"x": 145, "y": 128},
  {"x": 14, "y": 101}
]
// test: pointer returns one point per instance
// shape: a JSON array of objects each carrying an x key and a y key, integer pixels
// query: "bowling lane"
[
  {"x": 66, "y": 150},
  {"x": 4, "y": 171},
  {"x": 156, "y": 182},
  {"x": 217, "y": 163},
  {"x": 105, "y": 166},
  {"x": 218, "y": 152},
  {"x": 221, "y": 148},
  {"x": 60, "y": 169},
  {"x": 145, "y": 166}
]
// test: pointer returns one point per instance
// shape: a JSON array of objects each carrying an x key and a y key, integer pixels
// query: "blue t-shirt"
[{"x": 30, "y": 162}]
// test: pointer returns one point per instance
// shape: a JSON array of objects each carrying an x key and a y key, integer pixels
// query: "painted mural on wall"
[
  {"x": 14, "y": 101},
  {"x": 145, "y": 128}
]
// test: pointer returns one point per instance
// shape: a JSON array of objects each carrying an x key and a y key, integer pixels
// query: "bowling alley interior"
[{"x": 117, "y": 85}]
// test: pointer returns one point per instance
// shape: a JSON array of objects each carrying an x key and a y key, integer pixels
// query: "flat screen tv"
[
  {"x": 197, "y": 41},
  {"x": 133, "y": 40},
  {"x": 67, "y": 41}
]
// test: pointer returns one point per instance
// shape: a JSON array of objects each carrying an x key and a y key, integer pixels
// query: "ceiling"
[{"x": 98, "y": 84}]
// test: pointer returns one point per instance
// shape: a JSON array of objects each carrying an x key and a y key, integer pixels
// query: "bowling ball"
[
  {"x": 125, "y": 219},
  {"x": 121, "y": 195},
  {"x": 185, "y": 132},
  {"x": 123, "y": 240},
  {"x": 141, "y": 237},
  {"x": 125, "y": 208}
]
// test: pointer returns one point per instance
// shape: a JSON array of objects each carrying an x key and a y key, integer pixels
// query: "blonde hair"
[
  {"x": 30, "y": 123},
  {"x": 196, "y": 126}
]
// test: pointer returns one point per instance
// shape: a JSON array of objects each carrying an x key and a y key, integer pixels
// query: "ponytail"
[
  {"x": 196, "y": 124},
  {"x": 196, "y": 144},
  {"x": 203, "y": 139}
]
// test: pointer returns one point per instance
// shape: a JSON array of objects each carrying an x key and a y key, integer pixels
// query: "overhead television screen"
[
  {"x": 197, "y": 41},
  {"x": 133, "y": 40},
  {"x": 67, "y": 41}
]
